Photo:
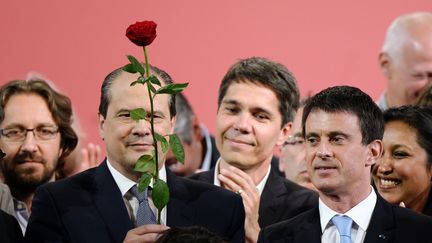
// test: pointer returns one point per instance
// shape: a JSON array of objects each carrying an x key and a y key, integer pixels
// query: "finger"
[
  {"x": 241, "y": 179},
  {"x": 228, "y": 183},
  {"x": 133, "y": 238},
  {"x": 149, "y": 228}
]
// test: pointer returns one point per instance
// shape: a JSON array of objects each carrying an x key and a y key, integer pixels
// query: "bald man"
[{"x": 406, "y": 59}]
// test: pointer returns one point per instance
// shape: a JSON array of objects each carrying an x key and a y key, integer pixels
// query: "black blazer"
[
  {"x": 89, "y": 207},
  {"x": 10, "y": 231},
  {"x": 281, "y": 199},
  {"x": 389, "y": 223}
]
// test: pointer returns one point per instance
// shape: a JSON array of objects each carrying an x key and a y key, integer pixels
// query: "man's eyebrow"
[
  {"x": 230, "y": 102},
  {"x": 311, "y": 134},
  {"x": 338, "y": 133},
  {"x": 123, "y": 110}
]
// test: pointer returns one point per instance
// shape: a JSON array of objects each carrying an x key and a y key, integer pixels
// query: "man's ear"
[
  {"x": 196, "y": 129},
  {"x": 173, "y": 122},
  {"x": 101, "y": 125},
  {"x": 385, "y": 64},
  {"x": 375, "y": 149},
  {"x": 284, "y": 133}
]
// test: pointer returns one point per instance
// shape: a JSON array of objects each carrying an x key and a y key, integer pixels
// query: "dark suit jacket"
[
  {"x": 389, "y": 224},
  {"x": 89, "y": 207},
  {"x": 10, "y": 231},
  {"x": 281, "y": 199}
]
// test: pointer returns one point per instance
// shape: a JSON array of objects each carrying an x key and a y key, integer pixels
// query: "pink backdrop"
[{"x": 76, "y": 43}]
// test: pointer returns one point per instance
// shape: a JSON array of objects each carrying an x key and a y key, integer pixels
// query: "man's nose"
[
  {"x": 243, "y": 123},
  {"x": 141, "y": 128},
  {"x": 29, "y": 144},
  {"x": 324, "y": 150}
]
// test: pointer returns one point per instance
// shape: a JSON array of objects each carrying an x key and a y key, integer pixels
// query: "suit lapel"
[
  {"x": 382, "y": 224},
  {"x": 109, "y": 202},
  {"x": 310, "y": 229},
  {"x": 178, "y": 212},
  {"x": 270, "y": 199}
]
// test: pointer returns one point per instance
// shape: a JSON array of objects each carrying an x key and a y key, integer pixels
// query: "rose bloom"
[{"x": 142, "y": 33}]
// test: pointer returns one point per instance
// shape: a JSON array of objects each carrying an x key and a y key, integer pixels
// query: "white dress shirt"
[
  {"x": 259, "y": 187},
  {"x": 131, "y": 202},
  {"x": 360, "y": 214}
]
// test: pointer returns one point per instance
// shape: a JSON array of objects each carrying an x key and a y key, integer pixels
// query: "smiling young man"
[
  {"x": 257, "y": 101},
  {"x": 99, "y": 205},
  {"x": 343, "y": 129},
  {"x": 35, "y": 134}
]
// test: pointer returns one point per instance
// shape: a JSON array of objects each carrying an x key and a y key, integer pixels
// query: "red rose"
[{"x": 142, "y": 33}]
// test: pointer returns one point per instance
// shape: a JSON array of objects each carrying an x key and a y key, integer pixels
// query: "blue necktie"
[
  {"x": 144, "y": 214},
  {"x": 343, "y": 224}
]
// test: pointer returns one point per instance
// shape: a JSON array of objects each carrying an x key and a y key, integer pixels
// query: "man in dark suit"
[
  {"x": 343, "y": 129},
  {"x": 256, "y": 105},
  {"x": 97, "y": 205}
]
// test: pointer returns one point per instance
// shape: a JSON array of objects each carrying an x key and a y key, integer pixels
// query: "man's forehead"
[
  {"x": 319, "y": 119},
  {"x": 22, "y": 108}
]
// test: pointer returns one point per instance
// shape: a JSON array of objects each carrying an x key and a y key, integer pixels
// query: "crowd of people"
[{"x": 350, "y": 169}]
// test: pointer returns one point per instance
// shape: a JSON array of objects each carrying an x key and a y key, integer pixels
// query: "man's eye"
[
  {"x": 261, "y": 117},
  {"x": 12, "y": 132},
  {"x": 337, "y": 140},
  {"x": 125, "y": 115},
  {"x": 312, "y": 140}
]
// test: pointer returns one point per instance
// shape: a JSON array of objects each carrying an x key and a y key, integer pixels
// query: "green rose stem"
[
  {"x": 156, "y": 174},
  {"x": 147, "y": 66}
]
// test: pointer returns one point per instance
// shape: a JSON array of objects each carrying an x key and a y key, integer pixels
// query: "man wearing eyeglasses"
[
  {"x": 293, "y": 154},
  {"x": 35, "y": 135}
]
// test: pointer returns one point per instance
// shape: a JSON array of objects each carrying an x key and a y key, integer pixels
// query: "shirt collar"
[
  {"x": 259, "y": 187},
  {"x": 125, "y": 184},
  {"x": 205, "y": 166},
  {"x": 382, "y": 102},
  {"x": 360, "y": 214}
]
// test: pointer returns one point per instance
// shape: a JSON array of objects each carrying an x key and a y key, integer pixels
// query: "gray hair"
[{"x": 184, "y": 119}]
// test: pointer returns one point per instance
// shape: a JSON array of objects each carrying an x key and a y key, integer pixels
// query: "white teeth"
[{"x": 389, "y": 182}]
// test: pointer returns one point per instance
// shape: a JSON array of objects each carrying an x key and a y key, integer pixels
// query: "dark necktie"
[
  {"x": 144, "y": 214},
  {"x": 343, "y": 224}
]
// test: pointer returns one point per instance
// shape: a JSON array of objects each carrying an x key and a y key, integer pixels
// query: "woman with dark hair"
[{"x": 404, "y": 173}]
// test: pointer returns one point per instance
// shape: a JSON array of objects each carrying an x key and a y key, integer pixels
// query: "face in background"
[
  {"x": 249, "y": 125},
  {"x": 193, "y": 156},
  {"x": 32, "y": 162},
  {"x": 403, "y": 174},
  {"x": 125, "y": 139},
  {"x": 338, "y": 163},
  {"x": 293, "y": 154},
  {"x": 409, "y": 71}
]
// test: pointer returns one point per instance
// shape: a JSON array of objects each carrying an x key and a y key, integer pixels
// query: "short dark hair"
[
  {"x": 272, "y": 75},
  {"x": 350, "y": 100},
  {"x": 420, "y": 119},
  {"x": 59, "y": 105},
  {"x": 193, "y": 234},
  {"x": 105, "y": 97}
]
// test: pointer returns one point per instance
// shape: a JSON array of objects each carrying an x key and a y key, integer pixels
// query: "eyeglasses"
[
  {"x": 294, "y": 141},
  {"x": 18, "y": 134}
]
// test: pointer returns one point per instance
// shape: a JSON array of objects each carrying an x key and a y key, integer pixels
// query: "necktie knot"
[
  {"x": 141, "y": 196},
  {"x": 343, "y": 224}
]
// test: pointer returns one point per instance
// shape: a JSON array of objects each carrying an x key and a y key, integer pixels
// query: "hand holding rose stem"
[{"x": 143, "y": 34}]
